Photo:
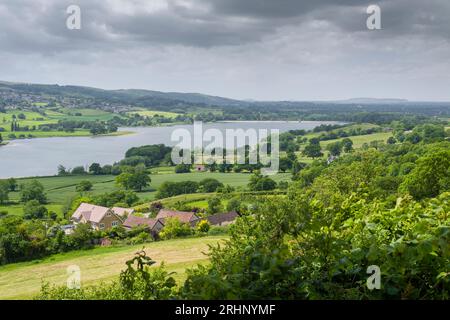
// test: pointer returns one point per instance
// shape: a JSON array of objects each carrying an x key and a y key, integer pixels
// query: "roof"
[
  {"x": 94, "y": 213},
  {"x": 122, "y": 211},
  {"x": 183, "y": 216},
  {"x": 90, "y": 212},
  {"x": 134, "y": 221},
  {"x": 220, "y": 218}
]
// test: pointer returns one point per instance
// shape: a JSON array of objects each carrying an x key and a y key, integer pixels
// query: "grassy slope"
[
  {"x": 151, "y": 113},
  {"x": 23, "y": 280},
  {"x": 61, "y": 189},
  {"x": 200, "y": 200},
  {"x": 51, "y": 117},
  {"x": 358, "y": 141}
]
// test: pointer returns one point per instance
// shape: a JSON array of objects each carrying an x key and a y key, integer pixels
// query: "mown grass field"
[
  {"x": 23, "y": 280},
  {"x": 358, "y": 141},
  {"x": 80, "y": 114},
  {"x": 60, "y": 190},
  {"x": 51, "y": 116}
]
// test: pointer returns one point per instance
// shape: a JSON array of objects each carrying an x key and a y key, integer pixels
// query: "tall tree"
[
  {"x": 430, "y": 177},
  {"x": 335, "y": 148},
  {"x": 4, "y": 191},
  {"x": 313, "y": 149},
  {"x": 33, "y": 191}
]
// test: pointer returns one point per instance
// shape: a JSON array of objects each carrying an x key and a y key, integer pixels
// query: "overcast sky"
[{"x": 245, "y": 49}]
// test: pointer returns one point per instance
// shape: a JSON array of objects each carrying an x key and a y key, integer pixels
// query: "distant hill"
[
  {"x": 123, "y": 99},
  {"x": 142, "y": 95},
  {"x": 187, "y": 97},
  {"x": 123, "y": 95},
  {"x": 372, "y": 101}
]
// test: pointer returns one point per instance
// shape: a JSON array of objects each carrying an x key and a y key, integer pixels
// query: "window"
[
  {"x": 102, "y": 226},
  {"x": 115, "y": 223}
]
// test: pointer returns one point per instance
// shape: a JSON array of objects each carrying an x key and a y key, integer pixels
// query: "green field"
[
  {"x": 50, "y": 116},
  {"x": 102, "y": 264},
  {"x": 83, "y": 114},
  {"x": 358, "y": 141},
  {"x": 151, "y": 113},
  {"x": 348, "y": 128},
  {"x": 60, "y": 190},
  {"x": 200, "y": 200}
]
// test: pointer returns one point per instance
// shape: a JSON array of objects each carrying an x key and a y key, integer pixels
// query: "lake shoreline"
[
  {"x": 41, "y": 156},
  {"x": 111, "y": 134}
]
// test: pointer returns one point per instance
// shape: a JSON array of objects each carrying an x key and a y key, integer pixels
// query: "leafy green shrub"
[
  {"x": 84, "y": 185},
  {"x": 142, "y": 237},
  {"x": 430, "y": 177},
  {"x": 214, "y": 205},
  {"x": 234, "y": 204},
  {"x": 210, "y": 185},
  {"x": 34, "y": 210},
  {"x": 301, "y": 249},
  {"x": 174, "y": 228}
]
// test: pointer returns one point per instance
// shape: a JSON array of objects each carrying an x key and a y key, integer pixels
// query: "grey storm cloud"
[
  {"x": 268, "y": 49},
  {"x": 40, "y": 24}
]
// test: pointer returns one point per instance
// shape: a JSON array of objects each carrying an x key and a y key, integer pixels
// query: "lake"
[{"x": 41, "y": 156}]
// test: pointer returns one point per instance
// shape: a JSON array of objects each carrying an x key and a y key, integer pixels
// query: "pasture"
[
  {"x": 61, "y": 189},
  {"x": 101, "y": 264},
  {"x": 358, "y": 141},
  {"x": 151, "y": 113},
  {"x": 33, "y": 120}
]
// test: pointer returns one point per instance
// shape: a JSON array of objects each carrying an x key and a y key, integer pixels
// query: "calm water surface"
[{"x": 41, "y": 156}]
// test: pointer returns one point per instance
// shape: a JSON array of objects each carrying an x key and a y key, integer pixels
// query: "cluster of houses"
[{"x": 103, "y": 218}]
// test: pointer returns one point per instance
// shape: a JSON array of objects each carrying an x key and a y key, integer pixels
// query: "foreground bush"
[
  {"x": 137, "y": 282},
  {"x": 300, "y": 249}
]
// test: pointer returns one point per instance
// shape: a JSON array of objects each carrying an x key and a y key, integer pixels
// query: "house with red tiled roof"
[
  {"x": 152, "y": 225},
  {"x": 123, "y": 212},
  {"x": 185, "y": 217},
  {"x": 100, "y": 218}
]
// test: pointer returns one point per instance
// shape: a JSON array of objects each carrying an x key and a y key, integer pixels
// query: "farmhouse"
[
  {"x": 185, "y": 217},
  {"x": 100, "y": 218},
  {"x": 219, "y": 219},
  {"x": 222, "y": 219},
  {"x": 152, "y": 225}
]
